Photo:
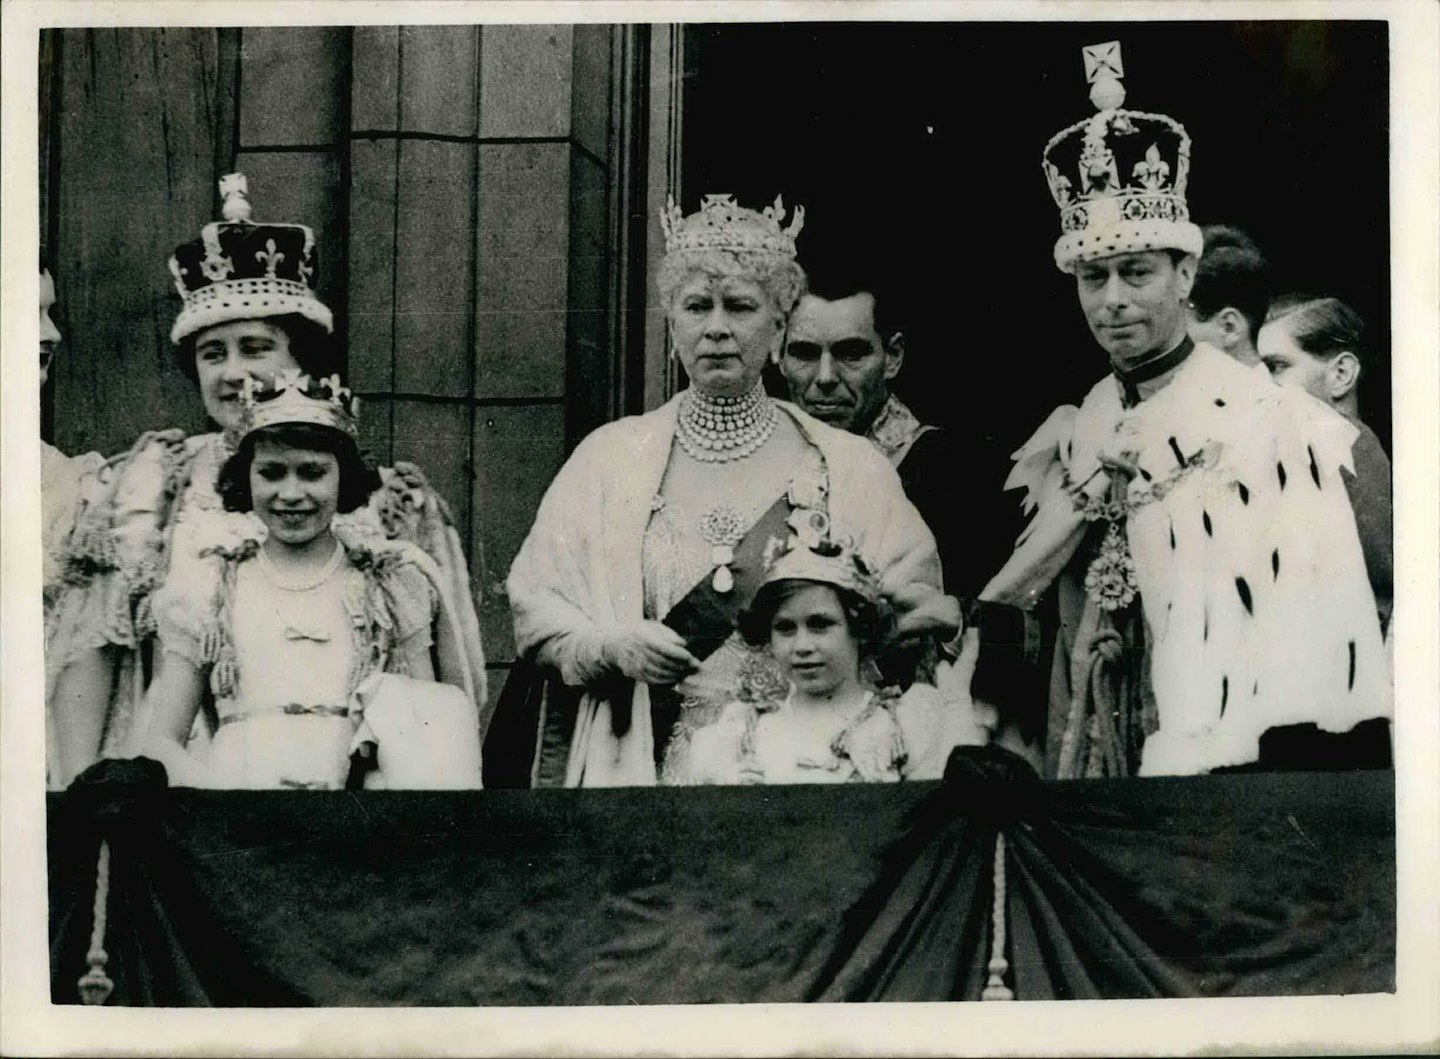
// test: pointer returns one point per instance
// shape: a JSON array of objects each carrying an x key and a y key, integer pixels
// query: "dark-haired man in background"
[
  {"x": 844, "y": 348},
  {"x": 1231, "y": 293}
]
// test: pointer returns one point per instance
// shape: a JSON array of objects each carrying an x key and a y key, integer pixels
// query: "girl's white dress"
[
  {"x": 285, "y": 657},
  {"x": 887, "y": 738},
  {"x": 156, "y": 513}
]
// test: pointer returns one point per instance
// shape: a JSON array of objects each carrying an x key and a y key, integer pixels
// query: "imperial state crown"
[
  {"x": 1119, "y": 177},
  {"x": 241, "y": 270}
]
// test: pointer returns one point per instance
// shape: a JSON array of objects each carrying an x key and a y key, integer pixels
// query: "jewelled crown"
[
  {"x": 723, "y": 224},
  {"x": 292, "y": 397},
  {"x": 814, "y": 553},
  {"x": 240, "y": 270},
  {"x": 1119, "y": 177}
]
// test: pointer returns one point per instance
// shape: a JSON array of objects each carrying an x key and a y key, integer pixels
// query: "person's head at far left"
[{"x": 49, "y": 333}]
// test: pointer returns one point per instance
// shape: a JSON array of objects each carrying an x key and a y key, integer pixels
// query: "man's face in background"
[{"x": 837, "y": 366}]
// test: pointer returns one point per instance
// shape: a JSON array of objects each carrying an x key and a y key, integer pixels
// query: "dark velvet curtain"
[{"x": 1212, "y": 886}]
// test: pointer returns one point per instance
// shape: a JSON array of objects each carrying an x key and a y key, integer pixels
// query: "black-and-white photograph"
[{"x": 589, "y": 514}]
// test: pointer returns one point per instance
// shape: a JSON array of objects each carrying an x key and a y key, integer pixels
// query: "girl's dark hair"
[
  {"x": 357, "y": 479},
  {"x": 313, "y": 347},
  {"x": 872, "y": 624}
]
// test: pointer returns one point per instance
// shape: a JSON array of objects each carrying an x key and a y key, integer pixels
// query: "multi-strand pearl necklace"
[{"x": 721, "y": 429}]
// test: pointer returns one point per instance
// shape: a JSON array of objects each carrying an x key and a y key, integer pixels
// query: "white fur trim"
[
  {"x": 248, "y": 299},
  {"x": 1126, "y": 237}
]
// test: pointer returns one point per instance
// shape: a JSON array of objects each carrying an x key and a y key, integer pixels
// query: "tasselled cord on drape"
[
  {"x": 995, "y": 987},
  {"x": 95, "y": 985}
]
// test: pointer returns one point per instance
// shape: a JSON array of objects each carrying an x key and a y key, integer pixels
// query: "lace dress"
[
  {"x": 886, "y": 738},
  {"x": 284, "y": 657},
  {"x": 289, "y": 723}
]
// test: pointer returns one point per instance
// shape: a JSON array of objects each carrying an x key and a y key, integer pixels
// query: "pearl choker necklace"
[
  {"x": 301, "y": 580},
  {"x": 721, "y": 429}
]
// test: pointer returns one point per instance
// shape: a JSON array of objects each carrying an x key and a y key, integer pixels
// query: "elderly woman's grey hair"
[{"x": 780, "y": 277}]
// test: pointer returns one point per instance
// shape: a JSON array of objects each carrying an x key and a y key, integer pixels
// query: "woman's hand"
[{"x": 650, "y": 652}]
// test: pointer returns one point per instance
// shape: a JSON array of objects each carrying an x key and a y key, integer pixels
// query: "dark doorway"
[{"x": 926, "y": 138}]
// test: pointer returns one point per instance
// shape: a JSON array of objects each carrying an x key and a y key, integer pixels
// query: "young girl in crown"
[
  {"x": 820, "y": 614},
  {"x": 292, "y": 619}
]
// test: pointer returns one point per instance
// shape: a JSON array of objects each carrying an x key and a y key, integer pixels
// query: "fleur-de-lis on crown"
[
  {"x": 339, "y": 390},
  {"x": 1154, "y": 171},
  {"x": 269, "y": 257},
  {"x": 776, "y": 213}
]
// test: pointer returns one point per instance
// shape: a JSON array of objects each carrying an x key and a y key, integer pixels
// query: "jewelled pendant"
[
  {"x": 722, "y": 555},
  {"x": 1110, "y": 580}
]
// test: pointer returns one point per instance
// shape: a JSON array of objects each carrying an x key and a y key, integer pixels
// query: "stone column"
[{"x": 479, "y": 254}]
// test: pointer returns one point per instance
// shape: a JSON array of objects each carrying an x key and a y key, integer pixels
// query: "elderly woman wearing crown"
[
  {"x": 313, "y": 636},
  {"x": 653, "y": 536},
  {"x": 1213, "y": 593},
  {"x": 248, "y": 310}
]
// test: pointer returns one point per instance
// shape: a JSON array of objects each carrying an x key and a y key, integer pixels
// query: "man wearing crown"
[
  {"x": 1215, "y": 610},
  {"x": 248, "y": 310}
]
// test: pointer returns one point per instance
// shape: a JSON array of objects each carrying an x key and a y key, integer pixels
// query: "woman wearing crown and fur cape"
[
  {"x": 248, "y": 310},
  {"x": 313, "y": 639},
  {"x": 1213, "y": 594},
  {"x": 652, "y": 536}
]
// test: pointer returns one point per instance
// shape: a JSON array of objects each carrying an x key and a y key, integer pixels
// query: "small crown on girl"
[
  {"x": 814, "y": 553},
  {"x": 293, "y": 397},
  {"x": 723, "y": 224}
]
